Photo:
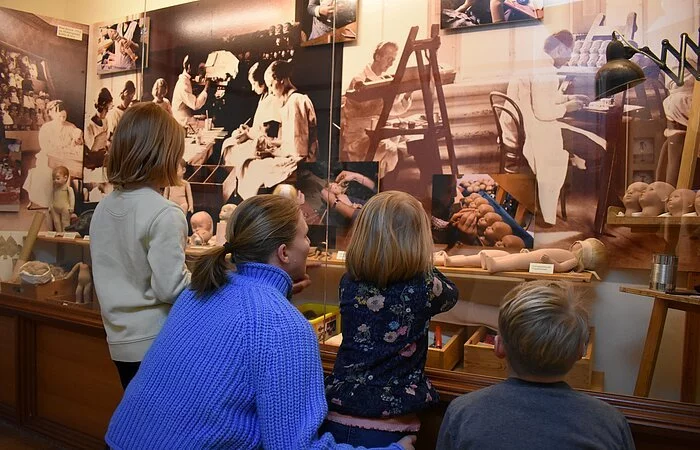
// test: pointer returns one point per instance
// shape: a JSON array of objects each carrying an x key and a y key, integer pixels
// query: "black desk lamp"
[{"x": 620, "y": 74}]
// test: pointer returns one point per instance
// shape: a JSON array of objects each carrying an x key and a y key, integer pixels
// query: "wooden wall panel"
[
  {"x": 8, "y": 363},
  {"x": 76, "y": 382}
]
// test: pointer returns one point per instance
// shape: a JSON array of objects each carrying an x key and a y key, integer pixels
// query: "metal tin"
[{"x": 663, "y": 272}]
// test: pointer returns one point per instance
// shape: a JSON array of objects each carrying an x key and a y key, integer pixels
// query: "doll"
[
  {"x": 484, "y": 209},
  {"x": 83, "y": 288},
  {"x": 181, "y": 195},
  {"x": 497, "y": 231},
  {"x": 680, "y": 202},
  {"x": 62, "y": 200},
  {"x": 589, "y": 254},
  {"x": 224, "y": 217},
  {"x": 443, "y": 259},
  {"x": 487, "y": 220},
  {"x": 286, "y": 190},
  {"x": 631, "y": 198},
  {"x": 202, "y": 228},
  {"x": 653, "y": 199},
  {"x": 339, "y": 190},
  {"x": 511, "y": 242}
]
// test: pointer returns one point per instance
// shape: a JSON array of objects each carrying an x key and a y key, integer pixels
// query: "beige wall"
[{"x": 621, "y": 320}]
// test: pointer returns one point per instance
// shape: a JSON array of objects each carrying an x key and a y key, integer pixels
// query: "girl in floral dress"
[{"x": 387, "y": 297}]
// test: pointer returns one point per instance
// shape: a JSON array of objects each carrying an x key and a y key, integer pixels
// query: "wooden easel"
[
  {"x": 662, "y": 301},
  {"x": 428, "y": 73}
]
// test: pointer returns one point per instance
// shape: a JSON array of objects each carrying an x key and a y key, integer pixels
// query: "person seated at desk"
[
  {"x": 356, "y": 116},
  {"x": 184, "y": 101},
  {"x": 542, "y": 104}
]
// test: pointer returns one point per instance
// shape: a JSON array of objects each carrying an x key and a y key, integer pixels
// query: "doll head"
[
  {"x": 681, "y": 201},
  {"x": 478, "y": 202},
  {"x": 336, "y": 188},
  {"x": 202, "y": 227},
  {"x": 511, "y": 242},
  {"x": 160, "y": 89},
  {"x": 226, "y": 211},
  {"x": 653, "y": 199},
  {"x": 497, "y": 231},
  {"x": 489, "y": 219},
  {"x": 60, "y": 176},
  {"x": 631, "y": 197},
  {"x": 591, "y": 254},
  {"x": 287, "y": 190},
  {"x": 483, "y": 209}
]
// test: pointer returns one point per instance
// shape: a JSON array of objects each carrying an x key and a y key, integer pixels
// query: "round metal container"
[{"x": 663, "y": 272}]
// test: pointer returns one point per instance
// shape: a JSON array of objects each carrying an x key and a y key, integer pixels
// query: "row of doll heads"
[{"x": 654, "y": 199}]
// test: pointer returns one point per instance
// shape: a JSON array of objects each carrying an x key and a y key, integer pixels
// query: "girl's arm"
[
  {"x": 166, "y": 254},
  {"x": 443, "y": 293}
]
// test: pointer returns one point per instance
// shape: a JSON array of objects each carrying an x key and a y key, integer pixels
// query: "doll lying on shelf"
[{"x": 589, "y": 254}]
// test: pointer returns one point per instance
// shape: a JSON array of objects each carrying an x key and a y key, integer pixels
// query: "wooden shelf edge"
[
  {"x": 614, "y": 219},
  {"x": 646, "y": 292},
  {"x": 53, "y": 311}
]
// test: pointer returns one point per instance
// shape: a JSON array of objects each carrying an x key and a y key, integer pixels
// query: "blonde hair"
[
  {"x": 256, "y": 229},
  {"x": 544, "y": 328},
  {"x": 147, "y": 147},
  {"x": 591, "y": 254},
  {"x": 391, "y": 240}
]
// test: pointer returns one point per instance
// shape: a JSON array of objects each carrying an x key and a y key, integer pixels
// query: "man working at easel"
[{"x": 356, "y": 117}]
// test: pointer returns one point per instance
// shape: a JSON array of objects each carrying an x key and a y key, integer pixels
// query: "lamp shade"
[{"x": 615, "y": 76}]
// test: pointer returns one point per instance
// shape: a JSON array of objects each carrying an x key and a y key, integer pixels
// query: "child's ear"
[{"x": 498, "y": 348}]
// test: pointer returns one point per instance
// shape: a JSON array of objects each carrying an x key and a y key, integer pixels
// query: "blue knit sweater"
[{"x": 238, "y": 369}]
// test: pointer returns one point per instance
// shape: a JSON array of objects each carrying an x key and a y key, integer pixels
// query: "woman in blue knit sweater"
[
  {"x": 236, "y": 365},
  {"x": 387, "y": 297}
]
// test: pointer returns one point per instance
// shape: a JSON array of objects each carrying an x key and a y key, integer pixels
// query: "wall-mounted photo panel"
[
  {"x": 475, "y": 13},
  {"x": 122, "y": 45},
  {"x": 327, "y": 21},
  {"x": 43, "y": 65}
]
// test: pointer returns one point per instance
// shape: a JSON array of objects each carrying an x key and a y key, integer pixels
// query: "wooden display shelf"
[
  {"x": 649, "y": 222},
  {"x": 191, "y": 250},
  {"x": 472, "y": 272}
]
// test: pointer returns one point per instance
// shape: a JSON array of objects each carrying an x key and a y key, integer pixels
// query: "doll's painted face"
[
  {"x": 478, "y": 202},
  {"x": 336, "y": 189},
  {"x": 633, "y": 191},
  {"x": 489, "y": 219},
  {"x": 59, "y": 178},
  {"x": 483, "y": 209},
  {"x": 681, "y": 201},
  {"x": 226, "y": 211},
  {"x": 497, "y": 231}
]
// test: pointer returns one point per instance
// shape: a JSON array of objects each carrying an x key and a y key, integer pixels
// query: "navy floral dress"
[{"x": 379, "y": 368}]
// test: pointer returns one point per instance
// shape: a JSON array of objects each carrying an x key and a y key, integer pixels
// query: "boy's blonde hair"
[
  {"x": 544, "y": 328},
  {"x": 391, "y": 240},
  {"x": 147, "y": 147}
]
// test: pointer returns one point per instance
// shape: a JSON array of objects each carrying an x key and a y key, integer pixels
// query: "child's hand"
[{"x": 408, "y": 442}]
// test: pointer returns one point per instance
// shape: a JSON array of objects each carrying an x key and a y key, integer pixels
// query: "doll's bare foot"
[{"x": 488, "y": 263}]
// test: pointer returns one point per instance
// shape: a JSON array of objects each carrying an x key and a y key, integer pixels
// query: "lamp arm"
[{"x": 666, "y": 48}]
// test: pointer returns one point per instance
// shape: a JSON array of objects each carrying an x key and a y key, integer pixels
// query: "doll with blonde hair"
[
  {"x": 387, "y": 297},
  {"x": 589, "y": 254}
]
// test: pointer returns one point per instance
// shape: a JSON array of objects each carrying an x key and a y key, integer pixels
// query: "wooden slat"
[{"x": 645, "y": 292}]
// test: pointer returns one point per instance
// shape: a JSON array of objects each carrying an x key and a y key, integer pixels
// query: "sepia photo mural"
[{"x": 43, "y": 66}]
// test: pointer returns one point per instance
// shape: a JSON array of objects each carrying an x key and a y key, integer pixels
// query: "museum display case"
[{"x": 523, "y": 173}]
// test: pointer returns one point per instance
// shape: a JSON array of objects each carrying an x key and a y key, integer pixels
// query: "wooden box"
[
  {"x": 447, "y": 357},
  {"x": 480, "y": 359},
  {"x": 62, "y": 287},
  {"x": 325, "y": 321}
]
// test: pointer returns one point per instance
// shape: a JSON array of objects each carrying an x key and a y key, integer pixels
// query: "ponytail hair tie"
[{"x": 229, "y": 247}]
